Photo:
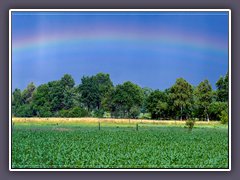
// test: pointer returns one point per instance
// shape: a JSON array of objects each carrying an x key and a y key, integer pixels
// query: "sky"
[{"x": 151, "y": 49}]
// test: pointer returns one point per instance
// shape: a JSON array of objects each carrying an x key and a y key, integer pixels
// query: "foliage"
[
  {"x": 222, "y": 88},
  {"x": 96, "y": 95},
  {"x": 134, "y": 112},
  {"x": 154, "y": 102},
  {"x": 216, "y": 108},
  {"x": 204, "y": 97},
  {"x": 145, "y": 116},
  {"x": 182, "y": 95},
  {"x": 73, "y": 112},
  {"x": 27, "y": 94},
  {"x": 93, "y": 89},
  {"x": 125, "y": 97},
  {"x": 190, "y": 123},
  {"x": 224, "y": 117}
]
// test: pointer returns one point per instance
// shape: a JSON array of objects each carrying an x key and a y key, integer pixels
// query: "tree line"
[{"x": 96, "y": 96}]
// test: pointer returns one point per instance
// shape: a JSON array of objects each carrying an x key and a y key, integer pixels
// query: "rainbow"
[{"x": 163, "y": 38}]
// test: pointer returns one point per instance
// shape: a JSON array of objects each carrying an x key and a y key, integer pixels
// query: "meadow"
[{"x": 119, "y": 143}]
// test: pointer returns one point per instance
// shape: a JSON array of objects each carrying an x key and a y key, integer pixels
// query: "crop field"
[{"x": 121, "y": 144}]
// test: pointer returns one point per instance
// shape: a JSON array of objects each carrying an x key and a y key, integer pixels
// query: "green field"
[{"x": 83, "y": 145}]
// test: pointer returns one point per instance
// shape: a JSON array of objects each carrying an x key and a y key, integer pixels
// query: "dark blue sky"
[{"x": 151, "y": 49}]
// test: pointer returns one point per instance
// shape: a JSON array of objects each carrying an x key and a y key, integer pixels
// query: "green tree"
[
  {"x": 126, "y": 96},
  {"x": 182, "y": 95},
  {"x": 222, "y": 88},
  {"x": 27, "y": 93},
  {"x": 146, "y": 93},
  {"x": 156, "y": 104},
  {"x": 104, "y": 86},
  {"x": 94, "y": 89},
  {"x": 41, "y": 101},
  {"x": 89, "y": 93},
  {"x": 216, "y": 108},
  {"x": 204, "y": 97},
  {"x": 68, "y": 92},
  {"x": 67, "y": 81},
  {"x": 17, "y": 101},
  {"x": 25, "y": 110},
  {"x": 55, "y": 96}
]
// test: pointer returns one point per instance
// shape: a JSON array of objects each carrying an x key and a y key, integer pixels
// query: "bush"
[
  {"x": 107, "y": 115},
  {"x": 134, "y": 112},
  {"x": 145, "y": 116},
  {"x": 190, "y": 124},
  {"x": 73, "y": 112},
  {"x": 98, "y": 113},
  {"x": 216, "y": 109},
  {"x": 224, "y": 117}
]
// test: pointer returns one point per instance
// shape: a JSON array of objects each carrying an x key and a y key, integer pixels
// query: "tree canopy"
[{"x": 96, "y": 96}]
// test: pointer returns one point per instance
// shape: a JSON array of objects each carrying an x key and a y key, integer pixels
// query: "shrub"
[
  {"x": 74, "y": 112},
  {"x": 224, "y": 117},
  {"x": 107, "y": 115},
  {"x": 190, "y": 124},
  {"x": 134, "y": 112},
  {"x": 145, "y": 116},
  {"x": 98, "y": 113}
]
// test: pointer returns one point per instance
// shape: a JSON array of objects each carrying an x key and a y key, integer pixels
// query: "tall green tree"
[
  {"x": 68, "y": 92},
  {"x": 17, "y": 101},
  {"x": 204, "y": 97},
  {"x": 94, "y": 89},
  {"x": 55, "y": 96},
  {"x": 89, "y": 93},
  {"x": 41, "y": 101},
  {"x": 146, "y": 93},
  {"x": 104, "y": 86},
  {"x": 127, "y": 96},
  {"x": 182, "y": 95},
  {"x": 222, "y": 88},
  {"x": 156, "y": 104},
  {"x": 27, "y": 93},
  {"x": 67, "y": 81}
]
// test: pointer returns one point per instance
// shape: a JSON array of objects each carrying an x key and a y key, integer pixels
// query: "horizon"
[{"x": 151, "y": 49}]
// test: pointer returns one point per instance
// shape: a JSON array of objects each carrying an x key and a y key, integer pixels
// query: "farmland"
[{"x": 78, "y": 143}]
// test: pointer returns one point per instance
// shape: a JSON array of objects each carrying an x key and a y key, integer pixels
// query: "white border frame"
[{"x": 118, "y": 10}]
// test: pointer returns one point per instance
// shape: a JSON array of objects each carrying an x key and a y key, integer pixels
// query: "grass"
[{"x": 77, "y": 143}]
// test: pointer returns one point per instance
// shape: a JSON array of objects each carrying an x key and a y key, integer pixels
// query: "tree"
[
  {"x": 182, "y": 95},
  {"x": 104, "y": 86},
  {"x": 222, "y": 88},
  {"x": 41, "y": 101},
  {"x": 68, "y": 92},
  {"x": 67, "y": 81},
  {"x": 24, "y": 110},
  {"x": 89, "y": 93},
  {"x": 146, "y": 93},
  {"x": 126, "y": 96},
  {"x": 216, "y": 108},
  {"x": 204, "y": 97},
  {"x": 55, "y": 96},
  {"x": 17, "y": 101},
  {"x": 27, "y": 94},
  {"x": 94, "y": 89},
  {"x": 156, "y": 104}
]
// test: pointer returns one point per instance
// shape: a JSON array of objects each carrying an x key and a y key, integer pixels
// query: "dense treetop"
[{"x": 96, "y": 96}]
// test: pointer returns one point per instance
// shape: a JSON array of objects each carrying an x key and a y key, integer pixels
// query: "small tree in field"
[{"x": 190, "y": 124}]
